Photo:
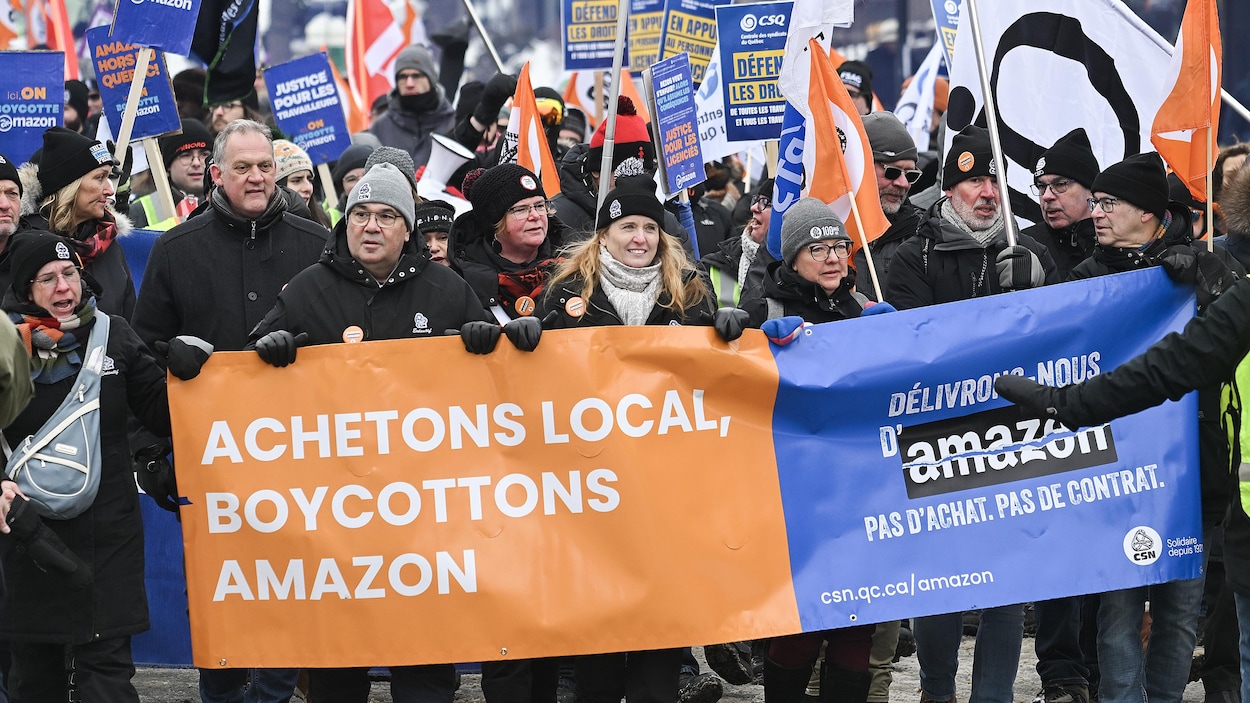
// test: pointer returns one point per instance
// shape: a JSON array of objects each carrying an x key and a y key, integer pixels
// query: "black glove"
[
  {"x": 524, "y": 333},
  {"x": 1209, "y": 276},
  {"x": 1037, "y": 400},
  {"x": 1018, "y": 269},
  {"x": 730, "y": 322},
  {"x": 497, "y": 92},
  {"x": 121, "y": 173},
  {"x": 185, "y": 355},
  {"x": 43, "y": 545},
  {"x": 480, "y": 337},
  {"x": 156, "y": 476},
  {"x": 278, "y": 347}
]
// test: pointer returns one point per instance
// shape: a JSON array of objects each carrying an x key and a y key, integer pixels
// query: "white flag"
[
  {"x": 1056, "y": 65},
  {"x": 808, "y": 19},
  {"x": 915, "y": 107}
]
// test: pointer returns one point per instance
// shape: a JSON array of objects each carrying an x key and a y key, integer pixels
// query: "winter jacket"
[
  {"x": 1068, "y": 246},
  {"x": 598, "y": 311},
  {"x": 942, "y": 264},
  {"x": 41, "y": 607},
  {"x": 903, "y": 226},
  {"x": 411, "y": 131},
  {"x": 419, "y": 299},
  {"x": 217, "y": 274},
  {"x": 721, "y": 266},
  {"x": 110, "y": 269},
  {"x": 801, "y": 297},
  {"x": 486, "y": 271},
  {"x": 713, "y": 224}
]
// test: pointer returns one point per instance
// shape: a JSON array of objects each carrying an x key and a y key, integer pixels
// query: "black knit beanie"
[
  {"x": 857, "y": 75},
  {"x": 970, "y": 156},
  {"x": 1140, "y": 179},
  {"x": 494, "y": 190},
  {"x": 194, "y": 136},
  {"x": 633, "y": 195},
  {"x": 1070, "y": 157},
  {"x": 434, "y": 216},
  {"x": 8, "y": 172},
  {"x": 68, "y": 156},
  {"x": 32, "y": 250},
  {"x": 76, "y": 93},
  {"x": 353, "y": 157}
]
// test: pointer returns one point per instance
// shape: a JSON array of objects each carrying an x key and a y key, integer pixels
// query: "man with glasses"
[
  {"x": 894, "y": 162},
  {"x": 737, "y": 264},
  {"x": 1061, "y": 181},
  {"x": 417, "y": 107},
  {"x": 222, "y": 114},
  {"x": 186, "y": 159},
  {"x": 215, "y": 276},
  {"x": 960, "y": 250}
]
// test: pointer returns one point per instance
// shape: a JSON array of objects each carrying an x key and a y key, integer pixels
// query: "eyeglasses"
[
  {"x": 360, "y": 218},
  {"x": 821, "y": 252},
  {"x": 1059, "y": 186},
  {"x": 763, "y": 202},
  {"x": 236, "y": 105},
  {"x": 522, "y": 212},
  {"x": 1107, "y": 204},
  {"x": 48, "y": 281},
  {"x": 410, "y": 76},
  {"x": 893, "y": 172}
]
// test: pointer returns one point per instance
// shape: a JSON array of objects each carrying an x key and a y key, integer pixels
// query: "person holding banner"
[
  {"x": 416, "y": 108},
  {"x": 69, "y": 192},
  {"x": 1061, "y": 181},
  {"x": 69, "y": 630},
  {"x": 186, "y": 158},
  {"x": 960, "y": 250}
]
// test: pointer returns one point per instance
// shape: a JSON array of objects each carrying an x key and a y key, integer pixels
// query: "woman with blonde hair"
[{"x": 69, "y": 193}]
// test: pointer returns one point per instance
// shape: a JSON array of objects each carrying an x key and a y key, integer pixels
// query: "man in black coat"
[
  {"x": 215, "y": 276},
  {"x": 1061, "y": 181},
  {"x": 894, "y": 163},
  {"x": 960, "y": 250}
]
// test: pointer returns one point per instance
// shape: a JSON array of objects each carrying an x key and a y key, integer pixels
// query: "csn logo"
[{"x": 1142, "y": 545}]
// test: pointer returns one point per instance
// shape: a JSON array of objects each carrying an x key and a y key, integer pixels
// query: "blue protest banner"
[
  {"x": 307, "y": 106},
  {"x": 114, "y": 63},
  {"x": 589, "y": 36},
  {"x": 677, "y": 123},
  {"x": 167, "y": 25},
  {"x": 946, "y": 17},
  {"x": 752, "y": 44},
  {"x": 690, "y": 27},
  {"x": 789, "y": 178},
  {"x": 32, "y": 84},
  {"x": 646, "y": 23},
  {"x": 910, "y": 488}
]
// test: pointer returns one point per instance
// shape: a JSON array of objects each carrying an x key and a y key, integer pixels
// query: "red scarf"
[
  {"x": 92, "y": 247},
  {"x": 530, "y": 282}
]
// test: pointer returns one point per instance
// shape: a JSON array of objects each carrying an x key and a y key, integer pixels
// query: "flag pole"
[
  {"x": 609, "y": 133},
  {"x": 490, "y": 46},
  {"x": 991, "y": 119},
  {"x": 863, "y": 242},
  {"x": 1210, "y": 205}
]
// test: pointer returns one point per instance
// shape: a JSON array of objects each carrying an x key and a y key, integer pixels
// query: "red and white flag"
[
  {"x": 8, "y": 22},
  {"x": 837, "y": 157},
  {"x": 47, "y": 24},
  {"x": 374, "y": 39},
  {"x": 525, "y": 141},
  {"x": 1190, "y": 112}
]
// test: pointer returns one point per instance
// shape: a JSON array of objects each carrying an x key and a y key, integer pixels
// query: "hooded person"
[
  {"x": 508, "y": 244},
  {"x": 416, "y": 108},
  {"x": 69, "y": 193},
  {"x": 1062, "y": 180}
]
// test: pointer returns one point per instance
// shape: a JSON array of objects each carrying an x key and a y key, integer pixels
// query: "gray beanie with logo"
[
  {"x": 806, "y": 222},
  {"x": 384, "y": 185}
]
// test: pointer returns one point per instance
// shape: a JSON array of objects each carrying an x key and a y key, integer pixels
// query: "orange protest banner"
[{"x": 615, "y": 490}]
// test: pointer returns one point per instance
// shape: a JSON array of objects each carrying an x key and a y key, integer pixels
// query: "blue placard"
[
  {"x": 114, "y": 62},
  {"x": 910, "y": 488},
  {"x": 690, "y": 27},
  {"x": 308, "y": 108},
  {"x": 646, "y": 24},
  {"x": 589, "y": 36},
  {"x": 752, "y": 44},
  {"x": 167, "y": 25},
  {"x": 946, "y": 17},
  {"x": 677, "y": 123},
  {"x": 32, "y": 84}
]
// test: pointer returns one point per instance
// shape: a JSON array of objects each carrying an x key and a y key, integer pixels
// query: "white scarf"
[
  {"x": 750, "y": 248},
  {"x": 632, "y": 291}
]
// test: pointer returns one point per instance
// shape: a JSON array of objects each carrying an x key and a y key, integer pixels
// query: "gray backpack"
[{"x": 58, "y": 467}]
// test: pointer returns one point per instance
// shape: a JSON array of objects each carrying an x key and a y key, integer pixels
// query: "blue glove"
[
  {"x": 784, "y": 330},
  {"x": 877, "y": 309}
]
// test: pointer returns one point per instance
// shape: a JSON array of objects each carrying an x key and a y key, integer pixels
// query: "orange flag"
[
  {"x": 47, "y": 24},
  {"x": 357, "y": 115},
  {"x": 373, "y": 41},
  {"x": 8, "y": 28},
  {"x": 1191, "y": 111},
  {"x": 842, "y": 167},
  {"x": 525, "y": 142}
]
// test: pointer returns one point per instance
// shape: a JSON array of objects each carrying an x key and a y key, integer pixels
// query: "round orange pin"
[
  {"x": 966, "y": 161},
  {"x": 525, "y": 306},
  {"x": 353, "y": 334},
  {"x": 576, "y": 307}
]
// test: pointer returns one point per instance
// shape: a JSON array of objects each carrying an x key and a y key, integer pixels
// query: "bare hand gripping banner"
[{"x": 639, "y": 488}]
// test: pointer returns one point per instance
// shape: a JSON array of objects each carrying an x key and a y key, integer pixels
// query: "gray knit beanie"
[
  {"x": 385, "y": 185},
  {"x": 417, "y": 57},
  {"x": 805, "y": 222},
  {"x": 888, "y": 138},
  {"x": 399, "y": 158}
]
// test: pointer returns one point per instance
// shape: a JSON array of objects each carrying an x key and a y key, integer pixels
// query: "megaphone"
[{"x": 446, "y": 156}]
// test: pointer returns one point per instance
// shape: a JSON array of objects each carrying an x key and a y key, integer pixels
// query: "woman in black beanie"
[{"x": 68, "y": 192}]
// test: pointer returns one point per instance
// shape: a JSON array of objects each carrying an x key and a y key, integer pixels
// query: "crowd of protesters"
[{"x": 261, "y": 254}]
